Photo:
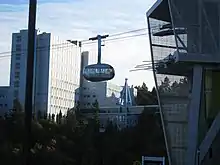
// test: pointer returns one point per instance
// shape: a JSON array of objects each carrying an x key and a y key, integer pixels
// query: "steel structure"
[
  {"x": 126, "y": 97},
  {"x": 185, "y": 43}
]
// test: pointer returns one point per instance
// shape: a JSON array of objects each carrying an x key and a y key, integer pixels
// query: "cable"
[
  {"x": 7, "y": 54},
  {"x": 132, "y": 31},
  {"x": 62, "y": 45},
  {"x": 118, "y": 34},
  {"x": 118, "y": 38},
  {"x": 127, "y": 32}
]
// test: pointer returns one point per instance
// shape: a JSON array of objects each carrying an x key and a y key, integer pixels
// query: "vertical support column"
[
  {"x": 194, "y": 108},
  {"x": 99, "y": 48}
]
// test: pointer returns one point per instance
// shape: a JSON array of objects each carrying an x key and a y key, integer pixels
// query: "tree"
[
  {"x": 60, "y": 117},
  {"x": 39, "y": 115},
  {"x": 71, "y": 118},
  {"x": 53, "y": 117},
  {"x": 17, "y": 105},
  {"x": 76, "y": 143},
  {"x": 144, "y": 96},
  {"x": 49, "y": 117}
]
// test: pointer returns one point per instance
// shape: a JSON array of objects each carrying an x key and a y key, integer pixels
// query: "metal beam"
[
  {"x": 167, "y": 46},
  {"x": 158, "y": 97},
  {"x": 209, "y": 138},
  {"x": 155, "y": 5},
  {"x": 194, "y": 109},
  {"x": 184, "y": 46}
]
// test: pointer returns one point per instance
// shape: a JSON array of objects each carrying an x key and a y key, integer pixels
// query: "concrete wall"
[{"x": 4, "y": 99}]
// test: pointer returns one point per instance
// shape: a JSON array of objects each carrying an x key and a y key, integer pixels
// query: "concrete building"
[
  {"x": 57, "y": 71},
  {"x": 105, "y": 93},
  {"x": 18, "y": 67},
  {"x": 4, "y": 105}
]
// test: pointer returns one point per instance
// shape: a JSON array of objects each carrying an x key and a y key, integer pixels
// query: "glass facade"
[
  {"x": 184, "y": 34},
  {"x": 171, "y": 79}
]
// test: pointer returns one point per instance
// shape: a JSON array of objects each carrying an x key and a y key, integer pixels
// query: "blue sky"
[
  {"x": 81, "y": 19},
  {"x": 18, "y": 2},
  {"x": 13, "y": 1}
]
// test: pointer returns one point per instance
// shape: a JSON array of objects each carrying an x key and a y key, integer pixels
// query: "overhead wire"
[
  {"x": 118, "y": 38},
  {"x": 9, "y": 53},
  {"x": 40, "y": 48},
  {"x": 83, "y": 42},
  {"x": 122, "y": 33}
]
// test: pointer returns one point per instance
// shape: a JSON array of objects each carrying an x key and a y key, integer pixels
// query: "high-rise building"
[
  {"x": 58, "y": 64},
  {"x": 18, "y": 67},
  {"x": 56, "y": 74}
]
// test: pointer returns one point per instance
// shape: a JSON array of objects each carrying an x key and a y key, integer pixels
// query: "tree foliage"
[
  {"x": 73, "y": 140},
  {"x": 144, "y": 96}
]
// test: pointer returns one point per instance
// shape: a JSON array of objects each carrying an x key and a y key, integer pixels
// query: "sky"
[{"x": 80, "y": 20}]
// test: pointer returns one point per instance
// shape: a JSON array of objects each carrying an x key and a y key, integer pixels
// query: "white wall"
[{"x": 64, "y": 75}]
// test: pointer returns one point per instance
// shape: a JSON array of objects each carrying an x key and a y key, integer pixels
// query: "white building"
[
  {"x": 57, "y": 72},
  {"x": 59, "y": 66}
]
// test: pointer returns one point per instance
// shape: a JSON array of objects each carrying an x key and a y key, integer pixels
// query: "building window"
[
  {"x": 16, "y": 84},
  {"x": 18, "y": 47},
  {"x": 17, "y": 75},
  {"x": 16, "y": 93},
  {"x": 18, "y": 39},
  {"x": 18, "y": 54},
  {"x": 93, "y": 96},
  {"x": 17, "y": 65},
  {"x": 18, "y": 57}
]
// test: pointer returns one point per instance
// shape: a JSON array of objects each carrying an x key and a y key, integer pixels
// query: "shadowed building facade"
[{"x": 184, "y": 41}]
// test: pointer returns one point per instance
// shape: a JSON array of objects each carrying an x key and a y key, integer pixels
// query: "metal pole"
[
  {"x": 99, "y": 48},
  {"x": 99, "y": 38},
  {"x": 198, "y": 157},
  {"x": 29, "y": 80}
]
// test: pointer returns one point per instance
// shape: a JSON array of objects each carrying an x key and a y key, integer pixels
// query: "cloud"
[{"x": 81, "y": 19}]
